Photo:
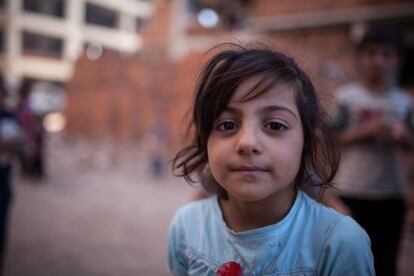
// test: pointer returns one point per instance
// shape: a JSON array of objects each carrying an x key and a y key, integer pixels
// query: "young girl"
[{"x": 260, "y": 136}]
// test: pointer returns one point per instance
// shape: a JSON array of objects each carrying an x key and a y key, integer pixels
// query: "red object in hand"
[{"x": 230, "y": 269}]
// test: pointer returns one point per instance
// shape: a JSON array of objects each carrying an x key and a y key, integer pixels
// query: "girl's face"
[{"x": 255, "y": 147}]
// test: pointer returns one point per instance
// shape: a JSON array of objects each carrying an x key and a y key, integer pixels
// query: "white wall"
[{"x": 74, "y": 32}]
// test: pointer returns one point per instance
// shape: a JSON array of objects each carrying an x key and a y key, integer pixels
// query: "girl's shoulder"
[
  {"x": 318, "y": 210},
  {"x": 198, "y": 205},
  {"x": 197, "y": 210},
  {"x": 330, "y": 229},
  {"x": 340, "y": 242},
  {"x": 328, "y": 219}
]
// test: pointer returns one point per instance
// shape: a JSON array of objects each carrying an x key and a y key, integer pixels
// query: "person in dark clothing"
[
  {"x": 31, "y": 154},
  {"x": 9, "y": 137}
]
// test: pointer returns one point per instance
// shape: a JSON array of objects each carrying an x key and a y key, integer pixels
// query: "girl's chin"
[
  {"x": 248, "y": 196},
  {"x": 253, "y": 193}
]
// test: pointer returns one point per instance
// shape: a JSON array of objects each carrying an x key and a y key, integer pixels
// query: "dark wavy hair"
[
  {"x": 384, "y": 34},
  {"x": 216, "y": 85}
]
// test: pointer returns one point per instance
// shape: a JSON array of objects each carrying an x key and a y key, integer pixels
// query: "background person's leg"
[
  {"x": 383, "y": 220},
  {"x": 5, "y": 199}
]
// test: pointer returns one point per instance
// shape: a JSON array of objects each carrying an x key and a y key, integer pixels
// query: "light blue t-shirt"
[{"x": 310, "y": 240}]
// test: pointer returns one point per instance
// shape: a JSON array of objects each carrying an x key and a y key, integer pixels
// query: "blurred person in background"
[
  {"x": 31, "y": 152},
  {"x": 9, "y": 140},
  {"x": 373, "y": 120},
  {"x": 156, "y": 144}
]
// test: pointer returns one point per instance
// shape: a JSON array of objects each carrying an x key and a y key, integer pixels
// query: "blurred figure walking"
[
  {"x": 373, "y": 119},
  {"x": 10, "y": 135},
  {"x": 31, "y": 152}
]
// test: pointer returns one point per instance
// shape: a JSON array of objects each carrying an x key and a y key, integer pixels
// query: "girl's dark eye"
[
  {"x": 275, "y": 126},
  {"x": 226, "y": 126}
]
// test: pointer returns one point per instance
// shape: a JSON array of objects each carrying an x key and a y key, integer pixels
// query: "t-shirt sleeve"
[
  {"x": 339, "y": 113},
  {"x": 339, "y": 118},
  {"x": 346, "y": 251},
  {"x": 176, "y": 247}
]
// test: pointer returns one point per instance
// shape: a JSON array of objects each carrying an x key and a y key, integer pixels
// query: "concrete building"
[{"x": 43, "y": 39}]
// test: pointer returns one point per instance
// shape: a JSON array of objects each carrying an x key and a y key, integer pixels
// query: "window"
[
  {"x": 36, "y": 44},
  {"x": 101, "y": 16},
  {"x": 210, "y": 14},
  {"x": 139, "y": 23},
  {"x": 50, "y": 7}
]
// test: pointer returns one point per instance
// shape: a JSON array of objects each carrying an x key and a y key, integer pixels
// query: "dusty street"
[
  {"x": 90, "y": 219},
  {"x": 100, "y": 213}
]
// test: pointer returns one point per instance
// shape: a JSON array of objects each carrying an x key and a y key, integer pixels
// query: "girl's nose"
[{"x": 248, "y": 141}]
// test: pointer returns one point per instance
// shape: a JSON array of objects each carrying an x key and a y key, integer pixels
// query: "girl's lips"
[{"x": 248, "y": 169}]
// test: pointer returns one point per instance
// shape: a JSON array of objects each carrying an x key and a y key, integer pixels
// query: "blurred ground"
[{"x": 90, "y": 219}]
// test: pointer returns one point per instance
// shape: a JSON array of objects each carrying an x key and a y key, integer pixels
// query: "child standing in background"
[
  {"x": 373, "y": 119},
  {"x": 260, "y": 135}
]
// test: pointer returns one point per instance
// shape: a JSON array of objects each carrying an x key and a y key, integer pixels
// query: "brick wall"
[
  {"x": 105, "y": 97},
  {"x": 125, "y": 97}
]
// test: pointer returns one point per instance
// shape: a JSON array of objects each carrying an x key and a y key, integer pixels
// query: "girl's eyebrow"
[
  {"x": 266, "y": 109},
  {"x": 232, "y": 110},
  {"x": 272, "y": 108}
]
